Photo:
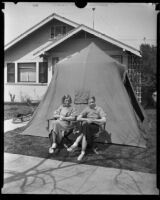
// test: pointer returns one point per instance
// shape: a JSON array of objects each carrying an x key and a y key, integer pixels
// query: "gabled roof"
[
  {"x": 38, "y": 25},
  {"x": 91, "y": 31},
  {"x": 77, "y": 28}
]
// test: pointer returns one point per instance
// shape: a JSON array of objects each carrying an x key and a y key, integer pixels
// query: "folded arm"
[
  {"x": 89, "y": 120},
  {"x": 70, "y": 118},
  {"x": 99, "y": 121}
]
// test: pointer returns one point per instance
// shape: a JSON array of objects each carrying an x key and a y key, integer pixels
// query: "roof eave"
[
  {"x": 38, "y": 25},
  {"x": 114, "y": 41},
  {"x": 98, "y": 34}
]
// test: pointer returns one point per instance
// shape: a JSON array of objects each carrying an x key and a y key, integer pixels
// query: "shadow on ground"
[{"x": 116, "y": 156}]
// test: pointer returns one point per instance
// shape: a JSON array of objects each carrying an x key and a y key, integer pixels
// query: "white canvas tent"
[{"x": 92, "y": 72}]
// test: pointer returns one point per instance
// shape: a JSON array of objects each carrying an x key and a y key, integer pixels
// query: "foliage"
[
  {"x": 149, "y": 71},
  {"x": 149, "y": 58},
  {"x": 12, "y": 97}
]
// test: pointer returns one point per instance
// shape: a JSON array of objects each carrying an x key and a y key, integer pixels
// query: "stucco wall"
[
  {"x": 23, "y": 92},
  {"x": 22, "y": 51}
]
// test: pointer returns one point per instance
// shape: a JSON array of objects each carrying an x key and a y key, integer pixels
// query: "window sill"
[
  {"x": 57, "y": 37},
  {"x": 28, "y": 84}
]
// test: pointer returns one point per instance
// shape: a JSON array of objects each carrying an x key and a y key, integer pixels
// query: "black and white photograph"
[{"x": 80, "y": 98}]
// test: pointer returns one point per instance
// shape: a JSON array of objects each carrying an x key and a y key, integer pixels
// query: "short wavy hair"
[
  {"x": 92, "y": 97},
  {"x": 66, "y": 97}
]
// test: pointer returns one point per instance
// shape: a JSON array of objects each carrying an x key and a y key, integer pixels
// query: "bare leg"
[
  {"x": 79, "y": 138},
  {"x": 55, "y": 137},
  {"x": 84, "y": 143},
  {"x": 84, "y": 146},
  {"x": 53, "y": 142},
  {"x": 85, "y": 130},
  {"x": 75, "y": 144}
]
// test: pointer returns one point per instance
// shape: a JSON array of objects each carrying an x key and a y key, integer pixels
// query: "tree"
[
  {"x": 148, "y": 58},
  {"x": 149, "y": 71}
]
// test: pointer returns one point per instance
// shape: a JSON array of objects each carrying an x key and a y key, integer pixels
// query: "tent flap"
[{"x": 134, "y": 101}]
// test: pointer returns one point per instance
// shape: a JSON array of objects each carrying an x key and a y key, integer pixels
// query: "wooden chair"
[{"x": 101, "y": 129}]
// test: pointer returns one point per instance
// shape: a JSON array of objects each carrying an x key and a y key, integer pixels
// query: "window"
[
  {"x": 43, "y": 72},
  {"x": 10, "y": 72},
  {"x": 58, "y": 30},
  {"x": 64, "y": 30},
  {"x": 26, "y": 72},
  {"x": 52, "y": 32}
]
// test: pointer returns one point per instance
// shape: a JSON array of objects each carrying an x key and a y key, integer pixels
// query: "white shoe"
[
  {"x": 95, "y": 150},
  {"x": 51, "y": 150},
  {"x": 71, "y": 148},
  {"x": 54, "y": 145},
  {"x": 80, "y": 157}
]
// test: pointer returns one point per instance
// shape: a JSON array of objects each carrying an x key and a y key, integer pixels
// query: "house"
[{"x": 30, "y": 58}]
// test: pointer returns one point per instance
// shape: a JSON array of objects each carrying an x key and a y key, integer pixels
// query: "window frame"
[
  {"x": 53, "y": 31},
  {"x": 18, "y": 73}
]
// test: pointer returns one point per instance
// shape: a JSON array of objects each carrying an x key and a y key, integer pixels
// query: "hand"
[
  {"x": 56, "y": 117},
  {"x": 62, "y": 118},
  {"x": 90, "y": 121}
]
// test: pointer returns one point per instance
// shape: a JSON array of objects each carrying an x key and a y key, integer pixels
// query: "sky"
[{"x": 131, "y": 23}]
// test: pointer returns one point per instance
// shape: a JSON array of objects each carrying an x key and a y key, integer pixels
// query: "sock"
[
  {"x": 54, "y": 145},
  {"x": 82, "y": 152},
  {"x": 81, "y": 155}
]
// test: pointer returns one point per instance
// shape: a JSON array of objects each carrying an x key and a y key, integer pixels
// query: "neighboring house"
[{"x": 30, "y": 58}]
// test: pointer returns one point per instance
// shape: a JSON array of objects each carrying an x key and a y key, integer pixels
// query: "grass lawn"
[
  {"x": 111, "y": 155},
  {"x": 11, "y": 110}
]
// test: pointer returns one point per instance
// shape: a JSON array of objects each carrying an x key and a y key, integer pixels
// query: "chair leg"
[{"x": 50, "y": 138}]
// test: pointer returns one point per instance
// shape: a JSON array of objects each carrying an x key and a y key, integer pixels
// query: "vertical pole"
[
  {"x": 93, "y": 16},
  {"x": 144, "y": 39},
  {"x": 16, "y": 72},
  {"x": 37, "y": 72}
]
